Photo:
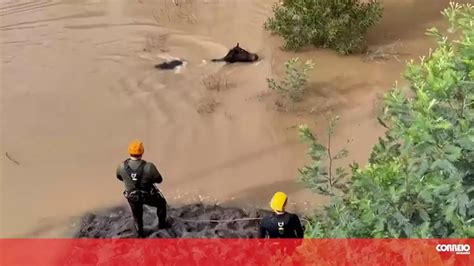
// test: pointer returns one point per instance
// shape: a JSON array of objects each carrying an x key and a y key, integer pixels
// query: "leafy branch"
[
  {"x": 320, "y": 175},
  {"x": 293, "y": 85}
]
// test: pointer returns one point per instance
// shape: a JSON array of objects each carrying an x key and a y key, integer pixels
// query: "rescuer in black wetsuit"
[
  {"x": 140, "y": 179},
  {"x": 280, "y": 224}
]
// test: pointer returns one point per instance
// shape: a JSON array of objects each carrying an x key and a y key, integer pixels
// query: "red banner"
[{"x": 236, "y": 252}]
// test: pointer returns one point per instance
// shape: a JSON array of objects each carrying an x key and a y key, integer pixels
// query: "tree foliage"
[
  {"x": 419, "y": 181},
  {"x": 293, "y": 85},
  {"x": 339, "y": 25}
]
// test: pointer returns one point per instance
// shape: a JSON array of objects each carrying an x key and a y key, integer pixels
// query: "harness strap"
[
  {"x": 281, "y": 222},
  {"x": 135, "y": 175}
]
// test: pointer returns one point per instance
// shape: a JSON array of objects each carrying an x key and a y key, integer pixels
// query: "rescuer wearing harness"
[
  {"x": 280, "y": 224},
  {"x": 140, "y": 179}
]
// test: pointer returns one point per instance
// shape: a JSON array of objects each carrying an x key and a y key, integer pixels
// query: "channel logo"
[{"x": 459, "y": 249}]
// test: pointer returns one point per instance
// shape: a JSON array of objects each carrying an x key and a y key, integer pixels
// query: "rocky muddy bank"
[{"x": 189, "y": 221}]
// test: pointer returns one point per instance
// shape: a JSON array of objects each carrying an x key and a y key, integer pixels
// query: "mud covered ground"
[{"x": 189, "y": 221}]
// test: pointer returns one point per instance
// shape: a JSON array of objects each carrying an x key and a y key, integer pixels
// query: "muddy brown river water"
[{"x": 78, "y": 83}]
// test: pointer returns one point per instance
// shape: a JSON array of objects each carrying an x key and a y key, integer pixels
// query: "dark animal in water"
[
  {"x": 170, "y": 64},
  {"x": 237, "y": 54}
]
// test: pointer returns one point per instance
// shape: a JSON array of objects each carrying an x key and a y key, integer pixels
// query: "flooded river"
[{"x": 78, "y": 83}]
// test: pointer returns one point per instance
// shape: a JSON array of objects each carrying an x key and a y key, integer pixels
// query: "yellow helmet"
[
  {"x": 135, "y": 148},
  {"x": 279, "y": 201}
]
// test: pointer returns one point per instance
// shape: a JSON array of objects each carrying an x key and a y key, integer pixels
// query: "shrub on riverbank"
[
  {"x": 419, "y": 181},
  {"x": 339, "y": 25}
]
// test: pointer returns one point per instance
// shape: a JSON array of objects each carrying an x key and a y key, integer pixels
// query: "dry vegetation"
[
  {"x": 378, "y": 105},
  {"x": 215, "y": 82},
  {"x": 176, "y": 10},
  {"x": 153, "y": 42},
  {"x": 384, "y": 52},
  {"x": 207, "y": 105}
]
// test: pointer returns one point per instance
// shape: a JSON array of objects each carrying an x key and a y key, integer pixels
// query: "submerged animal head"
[
  {"x": 171, "y": 64},
  {"x": 238, "y": 54}
]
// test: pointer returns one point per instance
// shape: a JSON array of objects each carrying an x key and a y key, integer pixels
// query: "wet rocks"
[{"x": 190, "y": 221}]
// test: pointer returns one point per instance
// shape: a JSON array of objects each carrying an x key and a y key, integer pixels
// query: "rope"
[
  {"x": 218, "y": 221},
  {"x": 223, "y": 221}
]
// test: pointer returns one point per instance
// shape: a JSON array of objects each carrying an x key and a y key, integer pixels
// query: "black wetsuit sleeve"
[
  {"x": 262, "y": 230},
  {"x": 155, "y": 174},
  {"x": 118, "y": 175},
  {"x": 298, "y": 228}
]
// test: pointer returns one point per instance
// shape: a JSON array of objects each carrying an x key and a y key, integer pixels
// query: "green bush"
[
  {"x": 294, "y": 84},
  {"x": 339, "y": 25},
  {"x": 419, "y": 181}
]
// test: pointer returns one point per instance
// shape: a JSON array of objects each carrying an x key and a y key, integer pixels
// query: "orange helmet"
[{"x": 135, "y": 148}]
